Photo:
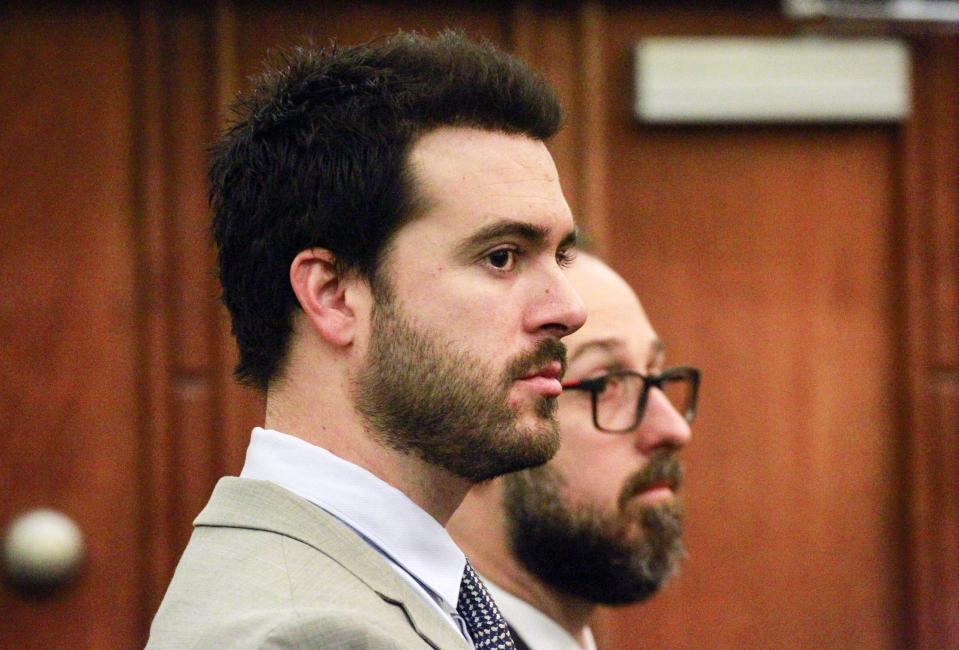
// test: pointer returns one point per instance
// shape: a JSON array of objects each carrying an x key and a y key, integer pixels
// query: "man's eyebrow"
[
  {"x": 657, "y": 350},
  {"x": 606, "y": 345},
  {"x": 570, "y": 240},
  {"x": 531, "y": 233}
]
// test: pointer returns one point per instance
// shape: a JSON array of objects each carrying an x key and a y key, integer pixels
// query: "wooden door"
[
  {"x": 69, "y": 314},
  {"x": 764, "y": 255}
]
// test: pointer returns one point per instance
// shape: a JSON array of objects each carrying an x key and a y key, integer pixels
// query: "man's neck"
[{"x": 433, "y": 489}]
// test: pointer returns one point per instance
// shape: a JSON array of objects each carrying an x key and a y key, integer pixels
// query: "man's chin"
[
  {"x": 530, "y": 422},
  {"x": 610, "y": 557},
  {"x": 539, "y": 432},
  {"x": 528, "y": 446}
]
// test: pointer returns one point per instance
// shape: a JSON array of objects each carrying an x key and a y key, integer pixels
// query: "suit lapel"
[{"x": 261, "y": 505}]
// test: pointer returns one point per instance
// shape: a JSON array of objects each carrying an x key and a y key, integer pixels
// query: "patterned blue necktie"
[{"x": 485, "y": 623}]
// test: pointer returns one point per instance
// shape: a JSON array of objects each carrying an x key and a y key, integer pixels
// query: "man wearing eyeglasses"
[{"x": 600, "y": 523}]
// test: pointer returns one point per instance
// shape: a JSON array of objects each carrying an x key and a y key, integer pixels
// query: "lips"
[
  {"x": 658, "y": 485},
  {"x": 662, "y": 476},
  {"x": 545, "y": 380},
  {"x": 552, "y": 370},
  {"x": 657, "y": 491},
  {"x": 540, "y": 370}
]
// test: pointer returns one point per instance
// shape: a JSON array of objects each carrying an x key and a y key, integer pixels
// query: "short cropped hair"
[{"x": 317, "y": 157}]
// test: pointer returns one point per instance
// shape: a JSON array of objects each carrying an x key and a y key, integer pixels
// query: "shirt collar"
[
  {"x": 538, "y": 630},
  {"x": 375, "y": 509}
]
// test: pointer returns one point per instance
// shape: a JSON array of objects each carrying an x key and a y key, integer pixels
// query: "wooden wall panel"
[
  {"x": 593, "y": 162},
  {"x": 68, "y": 340},
  {"x": 264, "y": 27},
  {"x": 176, "y": 93},
  {"x": 564, "y": 44},
  {"x": 157, "y": 465},
  {"x": 546, "y": 36},
  {"x": 929, "y": 313},
  {"x": 190, "y": 92}
]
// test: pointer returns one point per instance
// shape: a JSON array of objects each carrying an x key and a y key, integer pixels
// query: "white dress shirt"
[
  {"x": 537, "y": 630},
  {"x": 411, "y": 541}
]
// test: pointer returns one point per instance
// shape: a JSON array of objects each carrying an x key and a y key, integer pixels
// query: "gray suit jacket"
[{"x": 267, "y": 569}]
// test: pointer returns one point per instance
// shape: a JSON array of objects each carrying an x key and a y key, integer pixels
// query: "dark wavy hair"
[{"x": 317, "y": 157}]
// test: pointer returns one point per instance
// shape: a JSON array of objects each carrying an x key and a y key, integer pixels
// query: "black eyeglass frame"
[{"x": 596, "y": 385}]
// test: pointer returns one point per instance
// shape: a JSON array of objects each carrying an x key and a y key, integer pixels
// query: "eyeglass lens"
[{"x": 616, "y": 405}]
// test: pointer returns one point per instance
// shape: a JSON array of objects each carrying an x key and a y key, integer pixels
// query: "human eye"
[
  {"x": 617, "y": 388},
  {"x": 612, "y": 387},
  {"x": 502, "y": 259},
  {"x": 565, "y": 257}
]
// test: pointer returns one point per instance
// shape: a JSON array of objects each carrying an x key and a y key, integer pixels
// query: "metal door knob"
[{"x": 42, "y": 551}]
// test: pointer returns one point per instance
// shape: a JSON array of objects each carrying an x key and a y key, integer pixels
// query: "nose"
[
  {"x": 558, "y": 309},
  {"x": 662, "y": 425}
]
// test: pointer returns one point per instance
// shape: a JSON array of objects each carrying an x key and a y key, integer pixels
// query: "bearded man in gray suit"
[{"x": 391, "y": 240}]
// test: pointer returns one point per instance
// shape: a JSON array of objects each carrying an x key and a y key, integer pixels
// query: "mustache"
[
  {"x": 547, "y": 351},
  {"x": 663, "y": 468}
]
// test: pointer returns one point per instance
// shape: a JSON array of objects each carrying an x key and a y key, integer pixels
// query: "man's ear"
[{"x": 321, "y": 292}]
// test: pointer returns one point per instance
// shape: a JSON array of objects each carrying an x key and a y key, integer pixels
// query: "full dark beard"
[
  {"x": 601, "y": 557},
  {"x": 419, "y": 395}
]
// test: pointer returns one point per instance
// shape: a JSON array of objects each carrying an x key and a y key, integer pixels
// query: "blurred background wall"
[{"x": 812, "y": 271}]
